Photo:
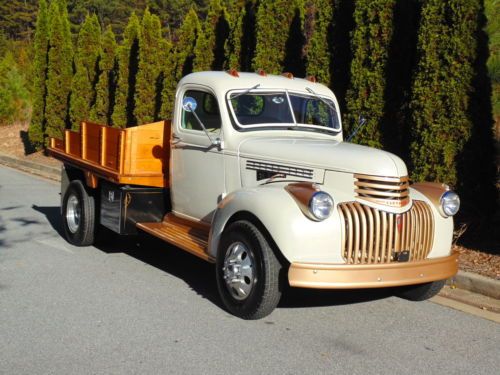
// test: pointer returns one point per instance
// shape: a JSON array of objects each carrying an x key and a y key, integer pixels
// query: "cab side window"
[{"x": 207, "y": 110}]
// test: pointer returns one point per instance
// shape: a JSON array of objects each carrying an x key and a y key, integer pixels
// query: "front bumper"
[{"x": 356, "y": 276}]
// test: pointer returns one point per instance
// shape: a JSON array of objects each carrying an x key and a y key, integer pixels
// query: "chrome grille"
[
  {"x": 276, "y": 168},
  {"x": 388, "y": 191},
  {"x": 373, "y": 236}
]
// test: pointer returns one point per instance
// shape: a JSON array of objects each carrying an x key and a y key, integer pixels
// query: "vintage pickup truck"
[{"x": 252, "y": 174}]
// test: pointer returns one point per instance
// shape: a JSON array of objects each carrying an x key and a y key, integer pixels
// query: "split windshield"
[{"x": 283, "y": 108}]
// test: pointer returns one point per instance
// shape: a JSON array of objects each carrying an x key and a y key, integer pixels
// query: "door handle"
[{"x": 175, "y": 139}]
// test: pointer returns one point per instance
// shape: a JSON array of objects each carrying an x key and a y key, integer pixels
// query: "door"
[{"x": 197, "y": 165}]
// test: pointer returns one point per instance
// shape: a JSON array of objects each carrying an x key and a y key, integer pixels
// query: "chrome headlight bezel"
[
  {"x": 450, "y": 203},
  {"x": 321, "y": 205}
]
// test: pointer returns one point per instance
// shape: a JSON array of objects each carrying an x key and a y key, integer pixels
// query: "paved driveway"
[{"x": 138, "y": 306}]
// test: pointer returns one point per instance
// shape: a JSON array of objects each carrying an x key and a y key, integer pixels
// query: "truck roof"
[{"x": 221, "y": 82}]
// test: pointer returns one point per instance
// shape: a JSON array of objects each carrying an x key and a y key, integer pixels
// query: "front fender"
[{"x": 296, "y": 236}]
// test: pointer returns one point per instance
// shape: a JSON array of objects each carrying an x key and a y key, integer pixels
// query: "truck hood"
[{"x": 324, "y": 154}]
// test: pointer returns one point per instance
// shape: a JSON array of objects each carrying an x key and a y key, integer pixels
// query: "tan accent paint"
[
  {"x": 338, "y": 276},
  {"x": 136, "y": 156},
  {"x": 91, "y": 179},
  {"x": 382, "y": 178},
  {"x": 387, "y": 191},
  {"x": 187, "y": 235},
  {"x": 302, "y": 192},
  {"x": 370, "y": 235},
  {"x": 433, "y": 191}
]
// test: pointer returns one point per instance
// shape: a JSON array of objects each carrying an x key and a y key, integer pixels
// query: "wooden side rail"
[
  {"x": 73, "y": 142},
  {"x": 137, "y": 155}
]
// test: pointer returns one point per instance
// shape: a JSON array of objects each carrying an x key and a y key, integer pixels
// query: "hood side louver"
[{"x": 276, "y": 169}]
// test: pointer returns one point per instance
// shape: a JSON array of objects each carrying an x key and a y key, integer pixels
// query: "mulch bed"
[
  {"x": 478, "y": 262},
  {"x": 14, "y": 141}
]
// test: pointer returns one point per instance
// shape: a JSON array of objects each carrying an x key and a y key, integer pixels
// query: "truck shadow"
[
  {"x": 200, "y": 275},
  {"x": 53, "y": 215},
  {"x": 300, "y": 298}
]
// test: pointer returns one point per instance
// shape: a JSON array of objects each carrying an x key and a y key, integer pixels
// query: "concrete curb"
[
  {"x": 476, "y": 283},
  {"x": 53, "y": 173},
  {"x": 464, "y": 280}
]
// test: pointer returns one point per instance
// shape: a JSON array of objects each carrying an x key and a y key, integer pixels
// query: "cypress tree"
[
  {"x": 233, "y": 43},
  {"x": 186, "y": 41},
  {"x": 274, "y": 18},
  {"x": 169, "y": 81},
  {"x": 370, "y": 45},
  {"x": 59, "y": 70},
  {"x": 318, "y": 20},
  {"x": 85, "y": 78},
  {"x": 209, "y": 49},
  {"x": 178, "y": 60},
  {"x": 442, "y": 87},
  {"x": 150, "y": 64},
  {"x": 123, "y": 111},
  {"x": 101, "y": 112},
  {"x": 240, "y": 45},
  {"x": 41, "y": 47}
]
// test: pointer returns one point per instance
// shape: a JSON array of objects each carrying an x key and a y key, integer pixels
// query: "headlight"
[
  {"x": 450, "y": 203},
  {"x": 321, "y": 205}
]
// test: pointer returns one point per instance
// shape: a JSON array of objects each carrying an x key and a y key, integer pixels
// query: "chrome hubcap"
[
  {"x": 238, "y": 271},
  {"x": 73, "y": 212}
]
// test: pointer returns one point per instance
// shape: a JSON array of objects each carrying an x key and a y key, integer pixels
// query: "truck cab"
[{"x": 252, "y": 174}]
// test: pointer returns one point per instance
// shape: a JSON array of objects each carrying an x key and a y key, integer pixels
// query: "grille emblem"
[{"x": 398, "y": 222}]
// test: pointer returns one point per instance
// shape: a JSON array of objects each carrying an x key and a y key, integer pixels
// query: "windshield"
[{"x": 283, "y": 108}]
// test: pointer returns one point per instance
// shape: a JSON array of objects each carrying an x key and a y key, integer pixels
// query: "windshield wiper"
[
  {"x": 322, "y": 99},
  {"x": 310, "y": 129},
  {"x": 245, "y": 92}
]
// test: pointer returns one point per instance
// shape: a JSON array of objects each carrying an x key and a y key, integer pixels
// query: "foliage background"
[{"x": 425, "y": 73}]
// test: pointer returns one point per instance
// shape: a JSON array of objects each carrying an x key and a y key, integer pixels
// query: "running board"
[{"x": 186, "y": 235}]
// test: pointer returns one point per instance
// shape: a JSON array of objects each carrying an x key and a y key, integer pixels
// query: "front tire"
[
  {"x": 79, "y": 215},
  {"x": 421, "y": 292},
  {"x": 248, "y": 272}
]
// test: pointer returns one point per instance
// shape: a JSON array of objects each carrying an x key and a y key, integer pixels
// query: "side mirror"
[
  {"x": 189, "y": 104},
  {"x": 361, "y": 123}
]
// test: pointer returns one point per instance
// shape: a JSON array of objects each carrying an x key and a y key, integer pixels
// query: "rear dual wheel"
[
  {"x": 79, "y": 215},
  {"x": 248, "y": 272}
]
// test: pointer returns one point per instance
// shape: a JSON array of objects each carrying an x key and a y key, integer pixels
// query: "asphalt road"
[{"x": 139, "y": 306}]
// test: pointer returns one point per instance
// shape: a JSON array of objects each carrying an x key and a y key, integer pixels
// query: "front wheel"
[
  {"x": 248, "y": 272},
  {"x": 421, "y": 292},
  {"x": 79, "y": 215}
]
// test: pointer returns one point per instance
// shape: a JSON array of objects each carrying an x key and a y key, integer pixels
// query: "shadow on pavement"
[
  {"x": 200, "y": 275},
  {"x": 53, "y": 215},
  {"x": 300, "y": 298}
]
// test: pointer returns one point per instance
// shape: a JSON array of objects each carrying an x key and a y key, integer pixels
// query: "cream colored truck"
[{"x": 252, "y": 174}]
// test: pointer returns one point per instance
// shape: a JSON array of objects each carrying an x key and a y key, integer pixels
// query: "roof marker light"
[
  {"x": 233, "y": 72},
  {"x": 311, "y": 79},
  {"x": 261, "y": 72},
  {"x": 287, "y": 75}
]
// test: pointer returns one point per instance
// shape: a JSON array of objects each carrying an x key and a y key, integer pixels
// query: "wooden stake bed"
[{"x": 133, "y": 156}]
